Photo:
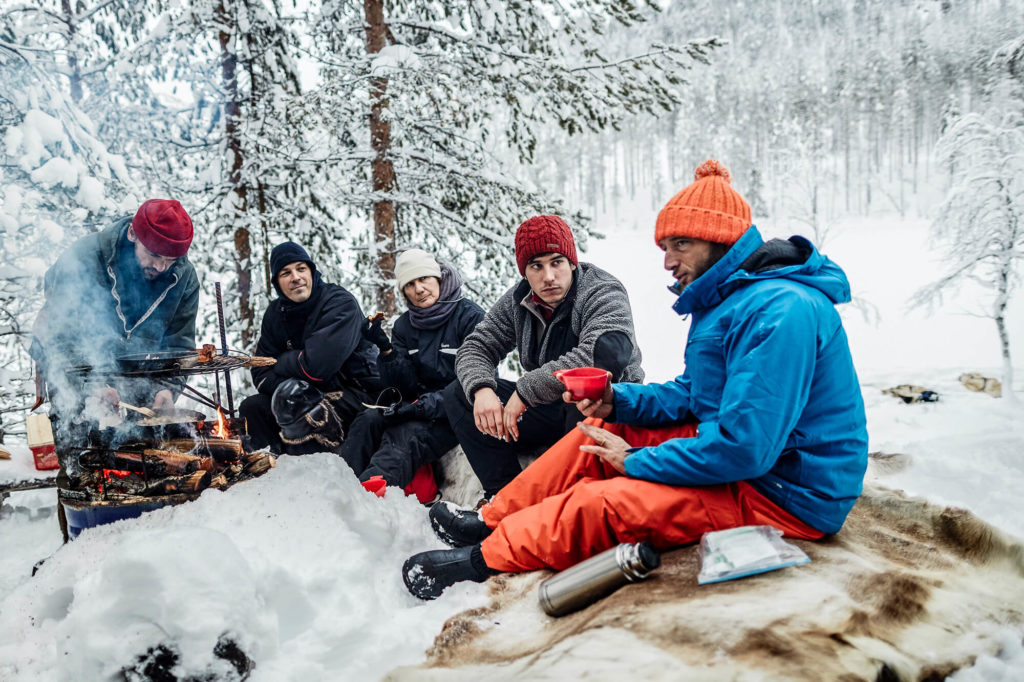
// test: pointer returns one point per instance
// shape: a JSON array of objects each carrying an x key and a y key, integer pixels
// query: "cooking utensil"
[
  {"x": 156, "y": 361},
  {"x": 144, "y": 411},
  {"x": 172, "y": 415}
]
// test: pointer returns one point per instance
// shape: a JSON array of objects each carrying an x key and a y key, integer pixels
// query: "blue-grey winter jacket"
[
  {"x": 769, "y": 378},
  {"x": 98, "y": 304}
]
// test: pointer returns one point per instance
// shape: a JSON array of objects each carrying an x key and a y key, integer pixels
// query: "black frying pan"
[{"x": 157, "y": 361}]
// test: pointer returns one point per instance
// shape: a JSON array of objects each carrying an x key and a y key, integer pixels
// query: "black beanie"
[{"x": 285, "y": 254}]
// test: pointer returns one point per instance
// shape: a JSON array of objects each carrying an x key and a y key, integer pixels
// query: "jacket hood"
[
  {"x": 286, "y": 253},
  {"x": 752, "y": 259}
]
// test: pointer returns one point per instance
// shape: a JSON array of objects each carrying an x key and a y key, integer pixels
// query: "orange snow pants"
[{"x": 569, "y": 505}]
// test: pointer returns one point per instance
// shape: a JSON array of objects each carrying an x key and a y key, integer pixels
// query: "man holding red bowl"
[
  {"x": 562, "y": 314},
  {"x": 765, "y": 426}
]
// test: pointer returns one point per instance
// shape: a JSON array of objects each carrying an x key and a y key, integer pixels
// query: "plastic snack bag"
[{"x": 743, "y": 551}]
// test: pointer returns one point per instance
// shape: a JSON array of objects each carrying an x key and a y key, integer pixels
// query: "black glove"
[
  {"x": 401, "y": 413},
  {"x": 375, "y": 334}
]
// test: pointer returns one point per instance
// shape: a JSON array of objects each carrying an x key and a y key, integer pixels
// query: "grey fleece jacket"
[{"x": 599, "y": 304}]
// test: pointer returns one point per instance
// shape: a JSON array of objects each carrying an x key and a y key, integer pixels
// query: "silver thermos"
[{"x": 596, "y": 577}]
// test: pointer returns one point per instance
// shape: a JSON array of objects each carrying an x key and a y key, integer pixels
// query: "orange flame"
[
  {"x": 221, "y": 430},
  {"x": 108, "y": 476}
]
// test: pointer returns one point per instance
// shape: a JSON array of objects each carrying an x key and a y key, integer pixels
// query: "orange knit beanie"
[{"x": 709, "y": 209}]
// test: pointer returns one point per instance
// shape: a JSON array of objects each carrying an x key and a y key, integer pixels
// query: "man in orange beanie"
[
  {"x": 764, "y": 426},
  {"x": 562, "y": 314},
  {"x": 127, "y": 289}
]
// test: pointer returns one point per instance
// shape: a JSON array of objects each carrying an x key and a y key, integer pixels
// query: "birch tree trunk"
[{"x": 1006, "y": 271}]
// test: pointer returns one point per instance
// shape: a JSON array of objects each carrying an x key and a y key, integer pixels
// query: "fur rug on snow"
[{"x": 906, "y": 591}]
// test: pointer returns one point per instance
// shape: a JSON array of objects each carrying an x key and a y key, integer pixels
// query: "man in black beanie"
[{"x": 315, "y": 330}]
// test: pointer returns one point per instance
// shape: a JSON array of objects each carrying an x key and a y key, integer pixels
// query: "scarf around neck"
[{"x": 437, "y": 315}]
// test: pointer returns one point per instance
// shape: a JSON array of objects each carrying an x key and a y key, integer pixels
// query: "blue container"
[{"x": 82, "y": 515}]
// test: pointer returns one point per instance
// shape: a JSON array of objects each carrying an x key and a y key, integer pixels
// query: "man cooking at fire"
[
  {"x": 129, "y": 288},
  {"x": 126, "y": 289}
]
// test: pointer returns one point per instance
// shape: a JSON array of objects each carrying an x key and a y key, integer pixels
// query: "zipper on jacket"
[{"x": 145, "y": 316}]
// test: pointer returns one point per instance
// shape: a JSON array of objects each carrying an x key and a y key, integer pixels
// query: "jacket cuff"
[
  {"x": 527, "y": 396},
  {"x": 636, "y": 456},
  {"x": 475, "y": 386},
  {"x": 621, "y": 412}
]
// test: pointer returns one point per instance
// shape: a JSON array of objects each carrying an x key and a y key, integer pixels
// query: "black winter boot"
[
  {"x": 457, "y": 527},
  {"x": 428, "y": 574}
]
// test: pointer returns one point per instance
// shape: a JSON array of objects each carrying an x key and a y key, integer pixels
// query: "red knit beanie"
[
  {"x": 544, "y": 234},
  {"x": 709, "y": 209},
  {"x": 163, "y": 227}
]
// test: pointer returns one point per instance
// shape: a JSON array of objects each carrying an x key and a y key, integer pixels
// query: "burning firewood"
[
  {"x": 260, "y": 464},
  {"x": 194, "y": 482},
  {"x": 221, "y": 449},
  {"x": 176, "y": 461},
  {"x": 112, "y": 482},
  {"x": 150, "y": 463},
  {"x": 250, "y": 457}
]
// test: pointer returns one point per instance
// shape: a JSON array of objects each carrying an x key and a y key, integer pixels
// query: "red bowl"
[
  {"x": 376, "y": 485},
  {"x": 584, "y": 382}
]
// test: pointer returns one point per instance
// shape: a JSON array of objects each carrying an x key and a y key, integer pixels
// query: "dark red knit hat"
[
  {"x": 544, "y": 234},
  {"x": 163, "y": 227}
]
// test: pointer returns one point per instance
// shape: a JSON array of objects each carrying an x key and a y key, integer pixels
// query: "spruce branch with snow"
[
  {"x": 436, "y": 104},
  {"x": 58, "y": 179}
]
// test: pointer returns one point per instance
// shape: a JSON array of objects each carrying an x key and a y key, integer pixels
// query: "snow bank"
[
  {"x": 299, "y": 568},
  {"x": 304, "y": 565}
]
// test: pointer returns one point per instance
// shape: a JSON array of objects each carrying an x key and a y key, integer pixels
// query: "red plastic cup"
[
  {"x": 584, "y": 382},
  {"x": 376, "y": 485}
]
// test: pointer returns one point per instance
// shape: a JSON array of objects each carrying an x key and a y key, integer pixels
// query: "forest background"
[{"x": 361, "y": 128}]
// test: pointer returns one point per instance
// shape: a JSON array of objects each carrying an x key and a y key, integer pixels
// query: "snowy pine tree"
[
  {"x": 457, "y": 95},
  {"x": 58, "y": 179},
  {"x": 214, "y": 86},
  {"x": 981, "y": 222}
]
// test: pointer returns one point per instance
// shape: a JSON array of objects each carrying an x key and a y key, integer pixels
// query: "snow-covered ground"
[{"x": 301, "y": 567}]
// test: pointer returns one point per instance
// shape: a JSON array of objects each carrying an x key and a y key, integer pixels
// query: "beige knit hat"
[{"x": 413, "y": 264}]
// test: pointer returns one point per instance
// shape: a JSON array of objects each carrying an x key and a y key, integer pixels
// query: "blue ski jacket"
[{"x": 769, "y": 378}]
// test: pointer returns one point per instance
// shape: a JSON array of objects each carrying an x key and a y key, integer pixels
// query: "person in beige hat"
[{"x": 398, "y": 446}]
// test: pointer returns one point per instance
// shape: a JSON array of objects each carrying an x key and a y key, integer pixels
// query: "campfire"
[
  {"x": 166, "y": 457},
  {"x": 147, "y": 460}
]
